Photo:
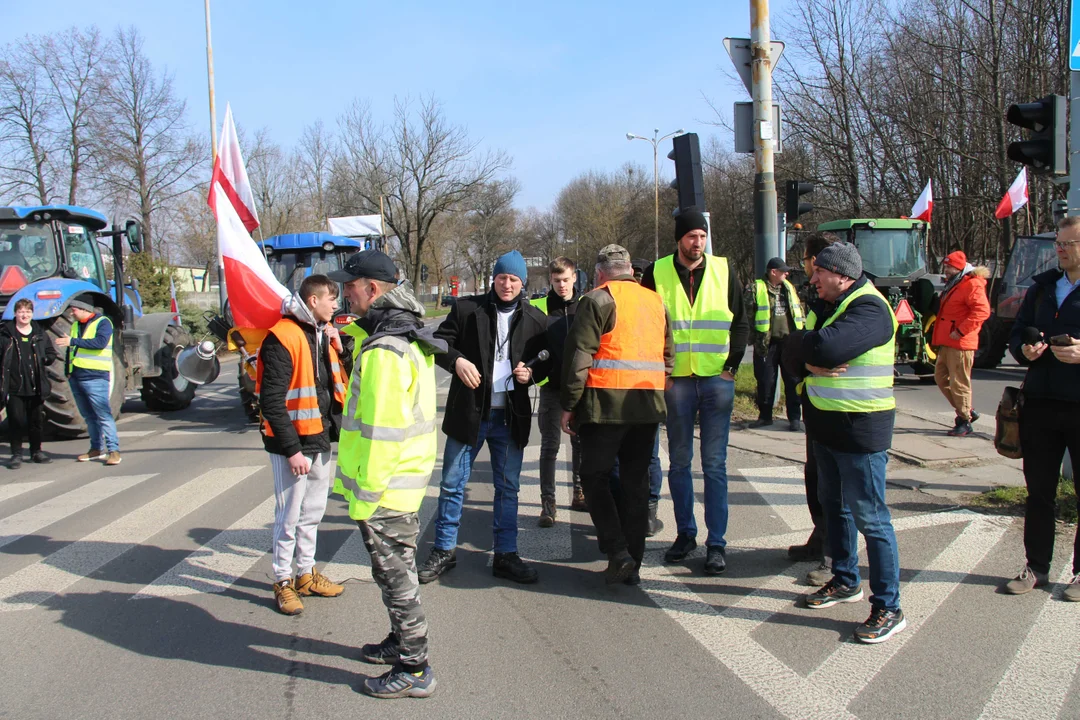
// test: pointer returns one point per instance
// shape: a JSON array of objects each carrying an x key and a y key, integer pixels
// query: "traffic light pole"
[
  {"x": 764, "y": 179},
  {"x": 1074, "y": 144}
]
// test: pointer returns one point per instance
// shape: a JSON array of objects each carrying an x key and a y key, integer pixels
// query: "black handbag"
[{"x": 1007, "y": 433}]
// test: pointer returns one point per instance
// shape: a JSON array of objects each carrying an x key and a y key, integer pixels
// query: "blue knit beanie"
[{"x": 511, "y": 264}]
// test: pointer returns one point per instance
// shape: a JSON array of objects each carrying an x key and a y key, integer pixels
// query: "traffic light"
[
  {"x": 423, "y": 273},
  {"x": 793, "y": 206},
  {"x": 1044, "y": 151},
  {"x": 688, "y": 181}
]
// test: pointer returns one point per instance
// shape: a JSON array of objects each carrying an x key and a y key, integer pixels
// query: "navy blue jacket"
[
  {"x": 863, "y": 326},
  {"x": 1048, "y": 378},
  {"x": 100, "y": 341}
]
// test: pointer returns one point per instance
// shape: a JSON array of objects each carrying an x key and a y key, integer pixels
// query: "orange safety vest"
[
  {"x": 302, "y": 398},
  {"x": 631, "y": 356}
]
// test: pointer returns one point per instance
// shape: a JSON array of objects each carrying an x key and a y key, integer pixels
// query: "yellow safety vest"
[
  {"x": 541, "y": 304},
  {"x": 763, "y": 315},
  {"x": 701, "y": 331},
  {"x": 85, "y": 358},
  {"x": 388, "y": 439},
  {"x": 867, "y": 384}
]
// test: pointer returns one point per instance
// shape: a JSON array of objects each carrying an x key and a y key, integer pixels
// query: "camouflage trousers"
[{"x": 390, "y": 537}]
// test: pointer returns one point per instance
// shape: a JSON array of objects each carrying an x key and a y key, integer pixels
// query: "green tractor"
[{"x": 894, "y": 258}]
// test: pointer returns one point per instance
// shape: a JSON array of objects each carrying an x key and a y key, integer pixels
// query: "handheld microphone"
[
  {"x": 1031, "y": 335},
  {"x": 540, "y": 357}
]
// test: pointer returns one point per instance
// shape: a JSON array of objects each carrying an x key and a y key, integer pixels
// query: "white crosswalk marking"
[
  {"x": 214, "y": 567},
  {"x": 16, "y": 489},
  {"x": 36, "y": 583},
  {"x": 56, "y": 509},
  {"x": 783, "y": 488},
  {"x": 1042, "y": 672}
]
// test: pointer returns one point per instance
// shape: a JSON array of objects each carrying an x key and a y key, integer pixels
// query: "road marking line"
[
  {"x": 215, "y": 566},
  {"x": 16, "y": 489},
  {"x": 134, "y": 433},
  {"x": 131, "y": 418},
  {"x": 34, "y": 584},
  {"x": 783, "y": 488},
  {"x": 60, "y": 507},
  {"x": 1042, "y": 672}
]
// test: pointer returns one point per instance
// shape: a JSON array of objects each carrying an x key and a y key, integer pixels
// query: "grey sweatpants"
[
  {"x": 390, "y": 537},
  {"x": 549, "y": 417},
  {"x": 298, "y": 510}
]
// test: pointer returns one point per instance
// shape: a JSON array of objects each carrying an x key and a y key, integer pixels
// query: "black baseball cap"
[
  {"x": 370, "y": 264},
  {"x": 777, "y": 264}
]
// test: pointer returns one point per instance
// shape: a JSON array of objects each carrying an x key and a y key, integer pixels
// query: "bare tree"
[
  {"x": 315, "y": 158},
  {"x": 147, "y": 157},
  {"x": 27, "y": 141},
  {"x": 489, "y": 225}
]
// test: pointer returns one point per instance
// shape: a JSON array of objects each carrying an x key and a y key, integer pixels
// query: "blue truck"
[{"x": 49, "y": 254}]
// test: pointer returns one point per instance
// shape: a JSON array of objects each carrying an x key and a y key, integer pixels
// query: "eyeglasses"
[
  {"x": 1064, "y": 245},
  {"x": 807, "y": 258}
]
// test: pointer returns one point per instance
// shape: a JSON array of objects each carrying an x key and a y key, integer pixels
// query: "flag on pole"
[
  {"x": 173, "y": 305},
  {"x": 924, "y": 206},
  {"x": 1015, "y": 198},
  {"x": 231, "y": 175},
  {"x": 255, "y": 295}
]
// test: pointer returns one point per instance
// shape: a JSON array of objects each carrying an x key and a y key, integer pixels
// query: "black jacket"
[
  {"x": 863, "y": 326},
  {"x": 469, "y": 332},
  {"x": 560, "y": 315},
  {"x": 277, "y": 371},
  {"x": 740, "y": 324},
  {"x": 1048, "y": 378},
  {"x": 42, "y": 353}
]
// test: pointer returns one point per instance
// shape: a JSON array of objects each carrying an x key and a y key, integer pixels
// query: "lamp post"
[{"x": 655, "y": 140}]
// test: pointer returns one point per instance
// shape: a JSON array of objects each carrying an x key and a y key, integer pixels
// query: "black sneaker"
[
  {"x": 761, "y": 422},
  {"x": 398, "y": 682},
  {"x": 385, "y": 653},
  {"x": 812, "y": 549},
  {"x": 684, "y": 544},
  {"x": 635, "y": 578},
  {"x": 41, "y": 458},
  {"x": 16, "y": 462},
  {"x": 511, "y": 567},
  {"x": 974, "y": 415},
  {"x": 714, "y": 560},
  {"x": 655, "y": 524},
  {"x": 438, "y": 562},
  {"x": 962, "y": 429},
  {"x": 881, "y": 625},
  {"x": 620, "y": 566},
  {"x": 795, "y": 425},
  {"x": 832, "y": 593}
]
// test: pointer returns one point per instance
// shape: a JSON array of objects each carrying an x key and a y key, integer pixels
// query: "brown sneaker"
[
  {"x": 91, "y": 454},
  {"x": 1026, "y": 581},
  {"x": 547, "y": 513},
  {"x": 114, "y": 458},
  {"x": 578, "y": 502},
  {"x": 288, "y": 601},
  {"x": 315, "y": 583}
]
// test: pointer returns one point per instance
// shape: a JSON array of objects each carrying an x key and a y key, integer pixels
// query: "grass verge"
[
  {"x": 746, "y": 394},
  {"x": 1013, "y": 499},
  {"x": 433, "y": 310}
]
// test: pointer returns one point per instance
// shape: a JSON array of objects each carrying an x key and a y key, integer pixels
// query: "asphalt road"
[{"x": 144, "y": 591}]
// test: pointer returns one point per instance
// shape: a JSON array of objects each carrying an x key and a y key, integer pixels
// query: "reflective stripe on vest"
[
  {"x": 388, "y": 441},
  {"x": 302, "y": 397},
  {"x": 867, "y": 384},
  {"x": 86, "y": 358},
  {"x": 631, "y": 356},
  {"x": 763, "y": 313},
  {"x": 701, "y": 330}
]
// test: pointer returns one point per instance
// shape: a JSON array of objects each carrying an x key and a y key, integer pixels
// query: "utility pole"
[
  {"x": 764, "y": 179},
  {"x": 1073, "y": 197}
]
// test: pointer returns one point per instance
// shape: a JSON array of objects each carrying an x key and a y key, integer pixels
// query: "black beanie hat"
[{"x": 687, "y": 220}]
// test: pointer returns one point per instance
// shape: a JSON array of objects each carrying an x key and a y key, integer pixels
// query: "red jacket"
[{"x": 963, "y": 308}]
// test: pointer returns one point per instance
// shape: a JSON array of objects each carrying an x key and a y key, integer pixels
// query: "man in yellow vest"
[
  {"x": 704, "y": 300},
  {"x": 385, "y": 458},
  {"x": 777, "y": 312},
  {"x": 620, "y": 352},
  {"x": 848, "y": 350},
  {"x": 89, "y": 369},
  {"x": 301, "y": 386}
]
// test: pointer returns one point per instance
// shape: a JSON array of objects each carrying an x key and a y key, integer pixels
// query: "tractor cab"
[{"x": 295, "y": 256}]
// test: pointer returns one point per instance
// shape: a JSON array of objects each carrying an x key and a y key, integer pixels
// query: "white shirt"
[{"x": 501, "y": 366}]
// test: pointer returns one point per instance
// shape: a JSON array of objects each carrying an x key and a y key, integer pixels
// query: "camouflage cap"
[{"x": 612, "y": 253}]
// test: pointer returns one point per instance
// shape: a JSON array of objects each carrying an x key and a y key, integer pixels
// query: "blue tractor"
[
  {"x": 292, "y": 258},
  {"x": 48, "y": 255}
]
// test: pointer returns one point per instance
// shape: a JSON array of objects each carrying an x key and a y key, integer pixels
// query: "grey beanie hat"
[
  {"x": 83, "y": 302},
  {"x": 841, "y": 258}
]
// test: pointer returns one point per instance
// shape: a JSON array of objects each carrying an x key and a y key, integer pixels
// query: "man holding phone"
[{"x": 1050, "y": 421}]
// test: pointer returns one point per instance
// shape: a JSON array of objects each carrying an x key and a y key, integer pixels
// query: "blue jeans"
[
  {"x": 714, "y": 398},
  {"x": 656, "y": 475},
  {"x": 851, "y": 487},
  {"x": 92, "y": 398},
  {"x": 458, "y": 460}
]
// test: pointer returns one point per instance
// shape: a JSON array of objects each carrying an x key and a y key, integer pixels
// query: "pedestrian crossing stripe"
[{"x": 14, "y": 490}]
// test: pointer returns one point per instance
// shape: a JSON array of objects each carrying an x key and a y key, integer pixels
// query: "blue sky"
[{"x": 555, "y": 84}]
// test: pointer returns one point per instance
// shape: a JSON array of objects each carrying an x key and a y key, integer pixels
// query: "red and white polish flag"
[
  {"x": 924, "y": 206},
  {"x": 1015, "y": 198},
  {"x": 173, "y": 305},
  {"x": 255, "y": 295}
]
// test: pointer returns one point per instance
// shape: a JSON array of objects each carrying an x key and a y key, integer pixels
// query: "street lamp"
[{"x": 655, "y": 140}]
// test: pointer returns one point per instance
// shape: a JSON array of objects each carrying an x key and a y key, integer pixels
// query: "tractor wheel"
[
  {"x": 62, "y": 418},
  {"x": 170, "y": 390},
  {"x": 993, "y": 340}
]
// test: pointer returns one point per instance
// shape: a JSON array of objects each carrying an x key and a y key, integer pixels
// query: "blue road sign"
[{"x": 1074, "y": 35}]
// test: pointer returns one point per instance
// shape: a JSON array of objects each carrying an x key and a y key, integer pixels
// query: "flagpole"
[{"x": 213, "y": 143}]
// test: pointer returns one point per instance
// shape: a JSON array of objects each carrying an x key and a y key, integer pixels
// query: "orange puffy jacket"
[{"x": 963, "y": 308}]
